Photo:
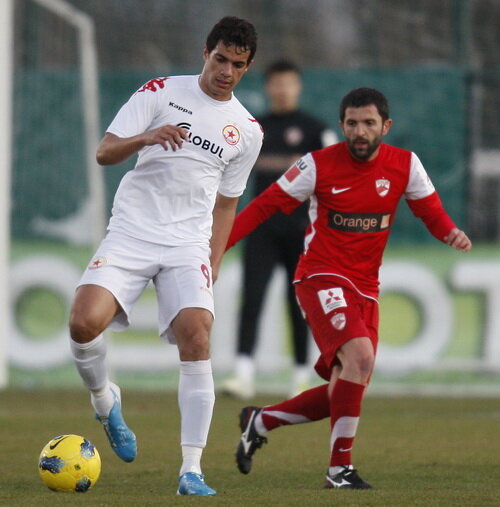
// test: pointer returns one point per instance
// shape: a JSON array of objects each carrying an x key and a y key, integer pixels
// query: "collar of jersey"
[
  {"x": 365, "y": 165},
  {"x": 210, "y": 100}
]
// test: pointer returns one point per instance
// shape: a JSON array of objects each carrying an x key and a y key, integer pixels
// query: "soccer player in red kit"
[{"x": 354, "y": 188}]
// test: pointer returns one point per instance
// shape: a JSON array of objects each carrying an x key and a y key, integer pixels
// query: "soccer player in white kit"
[{"x": 170, "y": 222}]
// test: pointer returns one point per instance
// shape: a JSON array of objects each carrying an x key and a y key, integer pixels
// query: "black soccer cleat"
[
  {"x": 348, "y": 478},
  {"x": 250, "y": 440}
]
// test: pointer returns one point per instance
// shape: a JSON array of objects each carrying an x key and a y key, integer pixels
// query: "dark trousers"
[{"x": 263, "y": 251}]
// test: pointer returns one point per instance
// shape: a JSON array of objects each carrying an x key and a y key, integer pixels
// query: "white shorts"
[{"x": 181, "y": 275}]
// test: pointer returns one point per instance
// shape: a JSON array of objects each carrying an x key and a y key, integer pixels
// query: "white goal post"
[
  {"x": 89, "y": 75},
  {"x": 87, "y": 60},
  {"x": 6, "y": 57}
]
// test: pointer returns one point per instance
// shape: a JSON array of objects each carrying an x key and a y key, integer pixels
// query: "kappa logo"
[
  {"x": 331, "y": 299},
  {"x": 153, "y": 85},
  {"x": 339, "y": 320},
  {"x": 98, "y": 262},
  {"x": 231, "y": 134},
  {"x": 180, "y": 108},
  {"x": 382, "y": 185}
]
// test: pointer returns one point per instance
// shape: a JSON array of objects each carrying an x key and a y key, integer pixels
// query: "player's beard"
[{"x": 365, "y": 151}]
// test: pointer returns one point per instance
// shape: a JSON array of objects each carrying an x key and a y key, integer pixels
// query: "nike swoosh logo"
[
  {"x": 342, "y": 483},
  {"x": 247, "y": 443},
  {"x": 53, "y": 446},
  {"x": 345, "y": 450},
  {"x": 339, "y": 190}
]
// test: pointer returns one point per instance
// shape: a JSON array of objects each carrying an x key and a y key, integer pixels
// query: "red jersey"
[{"x": 352, "y": 208}]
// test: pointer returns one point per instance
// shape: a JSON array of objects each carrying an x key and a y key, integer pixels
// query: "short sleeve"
[
  {"x": 136, "y": 115},
  {"x": 235, "y": 176},
  {"x": 419, "y": 183},
  {"x": 299, "y": 180}
]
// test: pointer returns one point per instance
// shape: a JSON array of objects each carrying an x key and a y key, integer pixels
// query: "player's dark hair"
[
  {"x": 233, "y": 31},
  {"x": 361, "y": 97},
  {"x": 281, "y": 66}
]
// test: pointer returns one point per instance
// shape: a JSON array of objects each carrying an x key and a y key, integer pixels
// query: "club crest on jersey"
[
  {"x": 231, "y": 134},
  {"x": 98, "y": 262},
  {"x": 382, "y": 187},
  {"x": 331, "y": 299},
  {"x": 339, "y": 320}
]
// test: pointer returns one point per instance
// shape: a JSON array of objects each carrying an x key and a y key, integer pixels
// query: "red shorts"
[{"x": 336, "y": 313}]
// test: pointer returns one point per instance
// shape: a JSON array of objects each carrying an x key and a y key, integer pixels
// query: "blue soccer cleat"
[
  {"x": 120, "y": 436},
  {"x": 194, "y": 484}
]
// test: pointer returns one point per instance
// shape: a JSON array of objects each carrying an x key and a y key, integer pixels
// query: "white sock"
[
  {"x": 259, "y": 425},
  {"x": 332, "y": 471},
  {"x": 196, "y": 402},
  {"x": 191, "y": 457},
  {"x": 90, "y": 361},
  {"x": 245, "y": 368}
]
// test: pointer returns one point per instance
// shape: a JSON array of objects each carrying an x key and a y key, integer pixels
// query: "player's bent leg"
[
  {"x": 357, "y": 358},
  {"x": 347, "y": 390},
  {"x": 93, "y": 309},
  {"x": 311, "y": 405},
  {"x": 120, "y": 436},
  {"x": 196, "y": 395},
  {"x": 250, "y": 440}
]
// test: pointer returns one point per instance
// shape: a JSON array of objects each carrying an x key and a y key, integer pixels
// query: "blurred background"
[{"x": 75, "y": 62}]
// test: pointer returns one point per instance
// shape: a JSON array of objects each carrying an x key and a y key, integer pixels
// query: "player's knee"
[
  {"x": 193, "y": 343},
  {"x": 359, "y": 364},
  {"x": 364, "y": 363},
  {"x": 194, "y": 348},
  {"x": 83, "y": 328}
]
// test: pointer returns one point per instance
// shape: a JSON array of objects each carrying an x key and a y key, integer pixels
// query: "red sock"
[
  {"x": 345, "y": 407},
  {"x": 311, "y": 405}
]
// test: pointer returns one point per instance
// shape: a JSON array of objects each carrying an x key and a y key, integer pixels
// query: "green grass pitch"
[{"x": 415, "y": 451}]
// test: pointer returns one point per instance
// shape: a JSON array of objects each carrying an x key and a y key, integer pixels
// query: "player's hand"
[
  {"x": 167, "y": 136},
  {"x": 458, "y": 240}
]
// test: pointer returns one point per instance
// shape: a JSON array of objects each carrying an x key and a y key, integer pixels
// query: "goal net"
[{"x": 57, "y": 192}]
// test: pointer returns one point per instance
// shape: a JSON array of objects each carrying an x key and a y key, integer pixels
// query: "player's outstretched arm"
[
  {"x": 430, "y": 210},
  {"x": 458, "y": 240},
  {"x": 269, "y": 202},
  {"x": 113, "y": 149}
]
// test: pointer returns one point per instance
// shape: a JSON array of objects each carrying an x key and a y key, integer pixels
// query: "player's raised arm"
[
  {"x": 286, "y": 194},
  {"x": 114, "y": 149},
  {"x": 265, "y": 205}
]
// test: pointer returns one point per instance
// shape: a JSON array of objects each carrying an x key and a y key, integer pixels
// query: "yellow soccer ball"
[{"x": 69, "y": 463}]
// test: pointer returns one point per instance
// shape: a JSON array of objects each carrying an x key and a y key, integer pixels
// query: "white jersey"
[{"x": 169, "y": 196}]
